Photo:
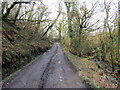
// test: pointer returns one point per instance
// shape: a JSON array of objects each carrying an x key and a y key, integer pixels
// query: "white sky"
[
  {"x": 53, "y": 4},
  {"x": 53, "y": 7}
]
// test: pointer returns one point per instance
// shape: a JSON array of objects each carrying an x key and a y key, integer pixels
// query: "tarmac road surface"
[{"x": 51, "y": 70}]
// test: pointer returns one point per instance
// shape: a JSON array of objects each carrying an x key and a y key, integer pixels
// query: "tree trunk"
[
  {"x": 8, "y": 11},
  {"x": 70, "y": 31},
  {"x": 17, "y": 13},
  {"x": 4, "y": 17},
  {"x": 119, "y": 32}
]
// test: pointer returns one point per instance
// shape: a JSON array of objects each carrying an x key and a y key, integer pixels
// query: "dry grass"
[{"x": 90, "y": 71}]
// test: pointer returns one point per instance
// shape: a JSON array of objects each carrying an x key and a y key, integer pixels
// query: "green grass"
[{"x": 91, "y": 83}]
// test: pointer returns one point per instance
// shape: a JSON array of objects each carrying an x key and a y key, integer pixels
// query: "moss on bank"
[{"x": 20, "y": 47}]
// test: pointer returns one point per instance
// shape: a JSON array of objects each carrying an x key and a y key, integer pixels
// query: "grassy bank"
[
  {"x": 20, "y": 47},
  {"x": 90, "y": 71}
]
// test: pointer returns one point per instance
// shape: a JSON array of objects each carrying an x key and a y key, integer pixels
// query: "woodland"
[{"x": 28, "y": 31}]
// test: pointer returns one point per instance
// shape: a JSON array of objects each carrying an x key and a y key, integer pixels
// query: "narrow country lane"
[{"x": 51, "y": 70}]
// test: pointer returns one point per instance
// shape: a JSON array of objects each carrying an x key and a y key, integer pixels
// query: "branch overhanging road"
[{"x": 51, "y": 70}]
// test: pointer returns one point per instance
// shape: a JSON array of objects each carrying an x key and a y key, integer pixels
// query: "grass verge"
[{"x": 90, "y": 71}]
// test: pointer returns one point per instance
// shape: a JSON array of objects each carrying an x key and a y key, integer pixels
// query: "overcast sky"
[
  {"x": 53, "y": 4},
  {"x": 53, "y": 7}
]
